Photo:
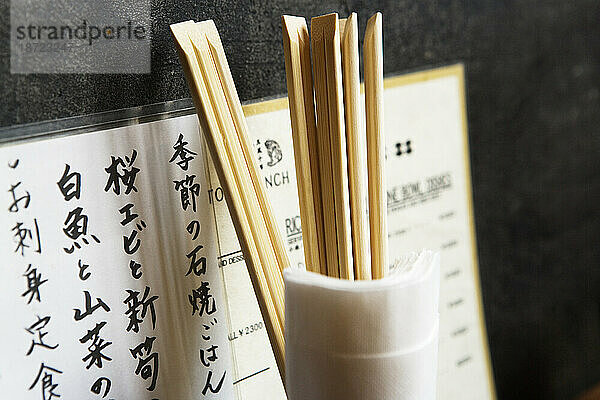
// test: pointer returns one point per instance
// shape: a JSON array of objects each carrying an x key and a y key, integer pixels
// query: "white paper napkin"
[{"x": 364, "y": 339}]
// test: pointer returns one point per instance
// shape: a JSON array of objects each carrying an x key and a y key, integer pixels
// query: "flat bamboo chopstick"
[
  {"x": 296, "y": 47},
  {"x": 235, "y": 107},
  {"x": 240, "y": 169},
  {"x": 355, "y": 143},
  {"x": 270, "y": 246},
  {"x": 198, "y": 82},
  {"x": 241, "y": 146},
  {"x": 328, "y": 81},
  {"x": 313, "y": 142},
  {"x": 373, "y": 61},
  {"x": 324, "y": 148}
]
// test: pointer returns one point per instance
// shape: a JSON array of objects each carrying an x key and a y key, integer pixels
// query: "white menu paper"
[
  {"x": 430, "y": 205},
  {"x": 110, "y": 286}
]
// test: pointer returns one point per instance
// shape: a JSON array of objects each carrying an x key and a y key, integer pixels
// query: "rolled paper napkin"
[{"x": 364, "y": 339}]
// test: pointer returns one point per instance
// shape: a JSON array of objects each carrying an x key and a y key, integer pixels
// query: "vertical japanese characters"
[
  {"x": 122, "y": 173},
  {"x": 77, "y": 235},
  {"x": 201, "y": 302},
  {"x": 28, "y": 245}
]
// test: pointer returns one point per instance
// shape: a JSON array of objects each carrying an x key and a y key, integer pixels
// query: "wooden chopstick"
[
  {"x": 241, "y": 145},
  {"x": 240, "y": 169},
  {"x": 200, "y": 79},
  {"x": 269, "y": 243},
  {"x": 328, "y": 86},
  {"x": 355, "y": 143},
  {"x": 296, "y": 47},
  {"x": 373, "y": 62},
  {"x": 335, "y": 232},
  {"x": 235, "y": 107},
  {"x": 324, "y": 148}
]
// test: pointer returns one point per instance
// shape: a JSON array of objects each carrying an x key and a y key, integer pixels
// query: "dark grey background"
[{"x": 533, "y": 80}]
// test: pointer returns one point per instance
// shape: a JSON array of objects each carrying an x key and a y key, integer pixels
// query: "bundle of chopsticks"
[
  {"x": 330, "y": 164},
  {"x": 344, "y": 234},
  {"x": 226, "y": 133}
]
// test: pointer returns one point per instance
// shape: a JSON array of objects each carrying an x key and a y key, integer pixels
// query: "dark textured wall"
[{"x": 533, "y": 77}]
